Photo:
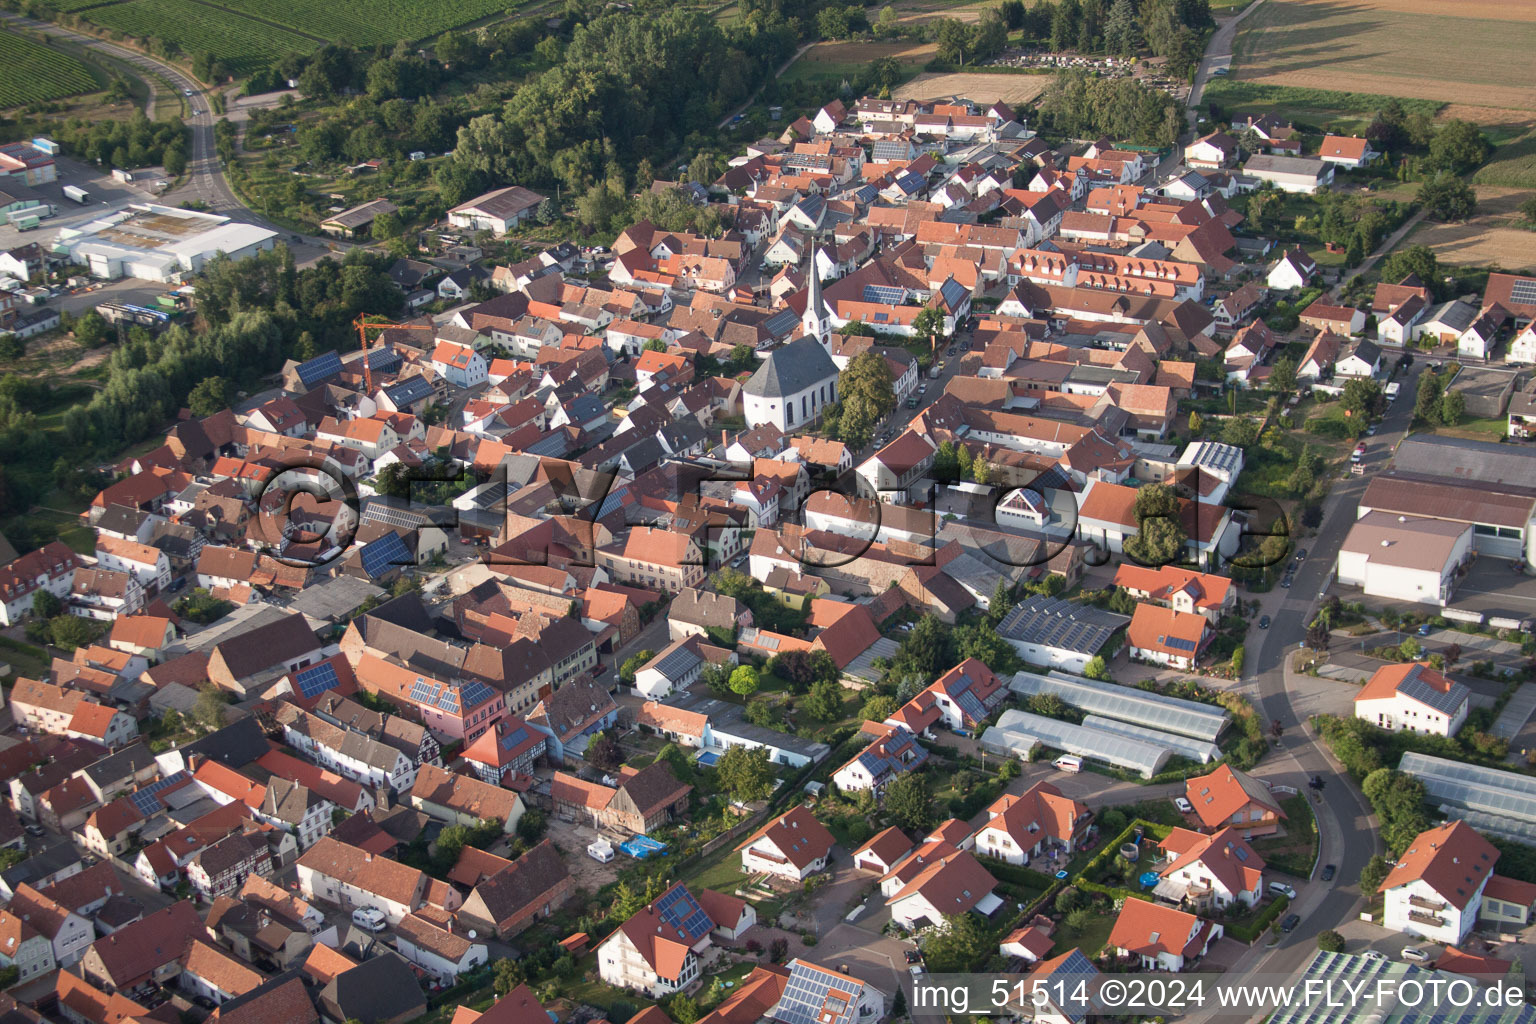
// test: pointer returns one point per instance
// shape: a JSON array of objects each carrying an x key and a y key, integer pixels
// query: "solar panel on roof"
[
  {"x": 384, "y": 553},
  {"x": 514, "y": 739},
  {"x": 322, "y": 367},
  {"x": 474, "y": 693},
  {"x": 884, "y": 294},
  {"x": 316, "y": 679},
  {"x": 147, "y": 799},
  {"x": 1523, "y": 291}
]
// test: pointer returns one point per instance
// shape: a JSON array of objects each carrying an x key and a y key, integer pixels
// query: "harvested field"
[
  {"x": 928, "y": 10},
  {"x": 978, "y": 86},
  {"x": 1378, "y": 46},
  {"x": 1494, "y": 236},
  {"x": 844, "y": 60}
]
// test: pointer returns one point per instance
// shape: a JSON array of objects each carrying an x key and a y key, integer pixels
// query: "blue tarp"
[{"x": 641, "y": 847}]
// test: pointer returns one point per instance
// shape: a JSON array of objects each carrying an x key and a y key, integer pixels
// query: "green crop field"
[
  {"x": 241, "y": 43},
  {"x": 365, "y": 22},
  {"x": 31, "y": 72}
]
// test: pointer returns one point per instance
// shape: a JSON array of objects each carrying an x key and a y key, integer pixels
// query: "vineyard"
[
  {"x": 31, "y": 72},
  {"x": 366, "y": 22},
  {"x": 241, "y": 44}
]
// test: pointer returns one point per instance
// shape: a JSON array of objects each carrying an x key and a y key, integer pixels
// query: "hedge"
[
  {"x": 1016, "y": 874},
  {"x": 1253, "y": 929}
]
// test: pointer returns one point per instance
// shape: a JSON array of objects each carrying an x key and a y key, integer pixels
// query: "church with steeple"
[{"x": 816, "y": 321}]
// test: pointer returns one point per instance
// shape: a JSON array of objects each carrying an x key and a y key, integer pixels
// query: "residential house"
[
  {"x": 1161, "y": 938},
  {"x": 51, "y": 568},
  {"x": 1183, "y": 590},
  {"x": 458, "y": 799},
  {"x": 349, "y": 877},
  {"x": 1414, "y": 698},
  {"x": 1293, "y": 271},
  {"x": 656, "y": 952},
  {"x": 142, "y": 955},
  {"x": 69, "y": 934},
  {"x": 1435, "y": 890},
  {"x": 510, "y": 747},
  {"x": 794, "y": 846},
  {"x": 892, "y": 752},
  {"x": 1346, "y": 151},
  {"x": 1167, "y": 637},
  {"x": 1208, "y": 872},
  {"x": 438, "y": 947},
  {"x": 953, "y": 882},
  {"x": 1020, "y": 827},
  {"x": 1227, "y": 797}
]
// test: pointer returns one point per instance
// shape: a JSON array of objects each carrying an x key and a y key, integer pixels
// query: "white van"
[
  {"x": 1068, "y": 763},
  {"x": 369, "y": 918}
]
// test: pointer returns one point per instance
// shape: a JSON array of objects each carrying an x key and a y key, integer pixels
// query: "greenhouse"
[
  {"x": 1127, "y": 704},
  {"x": 1018, "y": 733},
  {"x": 1505, "y": 800},
  {"x": 1183, "y": 746}
]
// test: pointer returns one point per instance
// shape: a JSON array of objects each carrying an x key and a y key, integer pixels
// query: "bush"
[
  {"x": 1255, "y": 928},
  {"x": 1330, "y": 941}
]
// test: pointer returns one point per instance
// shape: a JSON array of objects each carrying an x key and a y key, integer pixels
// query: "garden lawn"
[
  {"x": 1090, "y": 939},
  {"x": 1294, "y": 853}
]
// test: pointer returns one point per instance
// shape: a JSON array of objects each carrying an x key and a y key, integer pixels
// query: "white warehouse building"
[
  {"x": 1405, "y": 558},
  {"x": 149, "y": 242}
]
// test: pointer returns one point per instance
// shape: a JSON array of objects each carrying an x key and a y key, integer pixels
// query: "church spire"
[{"x": 817, "y": 321}]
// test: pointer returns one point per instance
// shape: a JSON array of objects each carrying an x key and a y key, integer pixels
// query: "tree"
[
  {"x": 546, "y": 212},
  {"x": 744, "y": 681},
  {"x": 928, "y": 326},
  {"x": 1426, "y": 405},
  {"x": 1096, "y": 669},
  {"x": 1458, "y": 147},
  {"x": 907, "y": 804},
  {"x": 1453, "y": 405},
  {"x": 510, "y": 973},
  {"x": 1240, "y": 431},
  {"x": 91, "y": 330},
  {"x": 802, "y": 668},
  {"x": 825, "y": 701},
  {"x": 759, "y": 712},
  {"x": 1160, "y": 536},
  {"x": 962, "y": 945},
  {"x": 1362, "y": 400},
  {"x": 1416, "y": 259},
  {"x": 878, "y": 708},
  {"x": 682, "y": 1009},
  {"x": 746, "y": 775},
  {"x": 832, "y": 23},
  {"x": 654, "y": 345},
  {"x": 45, "y": 605},
  {"x": 1196, "y": 423},
  {"x": 866, "y": 396},
  {"x": 209, "y": 709},
  {"x": 1330, "y": 941},
  {"x": 1374, "y": 873},
  {"x": 1282, "y": 376},
  {"x": 208, "y": 397},
  {"x": 885, "y": 71},
  {"x": 603, "y": 751},
  {"x": 954, "y": 40},
  {"x": 1121, "y": 33},
  {"x": 1447, "y": 197},
  {"x": 633, "y": 664}
]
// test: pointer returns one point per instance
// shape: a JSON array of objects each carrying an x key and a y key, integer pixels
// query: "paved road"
[
  {"x": 205, "y": 180},
  {"x": 726, "y": 120},
  {"x": 1218, "y": 54},
  {"x": 1345, "y": 823}
]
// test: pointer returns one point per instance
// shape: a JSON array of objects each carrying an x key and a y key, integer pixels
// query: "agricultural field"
[
  {"x": 979, "y": 86},
  {"x": 1513, "y": 164},
  {"x": 365, "y": 22},
  {"x": 1380, "y": 47},
  {"x": 831, "y": 62},
  {"x": 242, "y": 44},
  {"x": 31, "y": 72},
  {"x": 928, "y": 10},
  {"x": 1496, "y": 236}
]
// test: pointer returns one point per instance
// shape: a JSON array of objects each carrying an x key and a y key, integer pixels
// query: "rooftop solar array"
[
  {"x": 514, "y": 738},
  {"x": 1447, "y": 702},
  {"x": 881, "y": 758},
  {"x": 383, "y": 554},
  {"x": 1074, "y": 966},
  {"x": 1064, "y": 625},
  {"x": 1019, "y": 732},
  {"x": 678, "y": 663},
  {"x": 953, "y": 292},
  {"x": 1386, "y": 976},
  {"x": 1523, "y": 290},
  {"x": 384, "y": 359},
  {"x": 147, "y": 799},
  {"x": 1506, "y": 794},
  {"x": 321, "y": 368},
  {"x": 412, "y": 389},
  {"x": 885, "y": 294},
  {"x": 1127, "y": 704},
  {"x": 316, "y": 679},
  {"x": 1184, "y": 746},
  {"x": 681, "y": 911},
  {"x": 815, "y": 996},
  {"x": 475, "y": 693}
]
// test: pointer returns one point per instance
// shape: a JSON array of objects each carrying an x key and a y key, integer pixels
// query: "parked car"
[
  {"x": 36, "y": 831},
  {"x": 1413, "y": 954},
  {"x": 1281, "y": 889},
  {"x": 1290, "y": 923},
  {"x": 1285, "y": 584},
  {"x": 1264, "y": 622},
  {"x": 1329, "y": 871},
  {"x": 369, "y": 918},
  {"x": 1301, "y": 556},
  {"x": 1425, "y": 629},
  {"x": 1373, "y": 954},
  {"x": 1184, "y": 806},
  {"x": 1370, "y": 431}
]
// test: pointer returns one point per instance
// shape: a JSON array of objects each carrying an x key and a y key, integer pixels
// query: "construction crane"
[{"x": 364, "y": 326}]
